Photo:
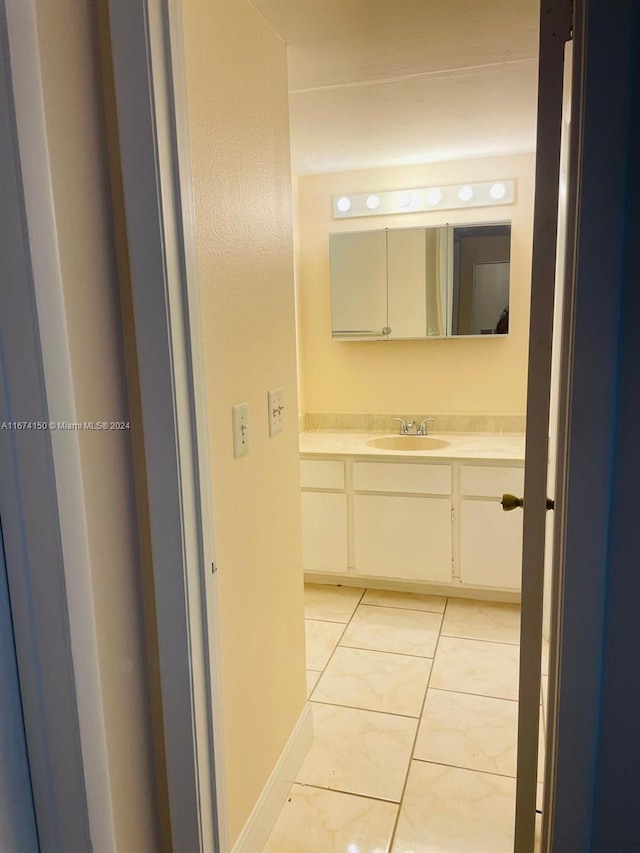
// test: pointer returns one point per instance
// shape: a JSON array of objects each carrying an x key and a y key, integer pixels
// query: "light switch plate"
[
  {"x": 276, "y": 411},
  {"x": 240, "y": 417}
]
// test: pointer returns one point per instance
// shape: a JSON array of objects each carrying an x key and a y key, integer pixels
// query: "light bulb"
[
  {"x": 373, "y": 202},
  {"x": 344, "y": 204},
  {"x": 498, "y": 191},
  {"x": 465, "y": 193},
  {"x": 434, "y": 196},
  {"x": 403, "y": 199}
]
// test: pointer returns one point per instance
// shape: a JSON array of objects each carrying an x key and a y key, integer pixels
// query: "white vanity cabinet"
[{"x": 437, "y": 523}]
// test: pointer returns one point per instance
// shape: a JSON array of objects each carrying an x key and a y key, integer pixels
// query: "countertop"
[{"x": 483, "y": 446}]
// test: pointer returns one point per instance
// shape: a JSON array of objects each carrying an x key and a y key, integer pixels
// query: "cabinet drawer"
[
  {"x": 321, "y": 474},
  {"x": 490, "y": 482},
  {"x": 403, "y": 478}
]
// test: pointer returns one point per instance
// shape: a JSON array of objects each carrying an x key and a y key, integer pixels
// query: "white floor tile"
[
  {"x": 321, "y": 640},
  {"x": 475, "y": 732},
  {"x": 330, "y": 603},
  {"x": 448, "y": 810},
  {"x": 358, "y": 752},
  {"x": 376, "y": 681},
  {"x": 482, "y": 620},
  {"x": 388, "y": 629},
  {"x": 476, "y": 666},
  {"x": 318, "y": 821},
  {"x": 408, "y": 600}
]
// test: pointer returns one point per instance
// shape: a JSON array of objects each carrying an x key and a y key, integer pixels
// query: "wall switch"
[
  {"x": 240, "y": 414},
  {"x": 276, "y": 410}
]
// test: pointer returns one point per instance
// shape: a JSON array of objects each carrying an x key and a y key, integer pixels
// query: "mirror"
[{"x": 412, "y": 283}]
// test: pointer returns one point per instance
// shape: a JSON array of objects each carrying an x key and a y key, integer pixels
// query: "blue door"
[{"x": 18, "y": 833}]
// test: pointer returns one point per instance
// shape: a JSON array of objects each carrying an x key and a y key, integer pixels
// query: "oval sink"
[{"x": 408, "y": 442}]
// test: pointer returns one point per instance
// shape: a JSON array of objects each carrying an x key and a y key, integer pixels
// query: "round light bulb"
[
  {"x": 403, "y": 199},
  {"x": 344, "y": 204},
  {"x": 498, "y": 191},
  {"x": 434, "y": 196},
  {"x": 465, "y": 193},
  {"x": 373, "y": 202}
]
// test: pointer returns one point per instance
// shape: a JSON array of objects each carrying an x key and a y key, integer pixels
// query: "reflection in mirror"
[{"x": 481, "y": 264}]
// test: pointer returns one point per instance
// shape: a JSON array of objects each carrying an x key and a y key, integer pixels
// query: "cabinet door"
[
  {"x": 403, "y": 538},
  {"x": 324, "y": 532},
  {"x": 490, "y": 545},
  {"x": 359, "y": 283},
  {"x": 407, "y": 266}
]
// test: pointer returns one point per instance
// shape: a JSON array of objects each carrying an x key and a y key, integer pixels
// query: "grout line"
[
  {"x": 399, "y": 607},
  {"x": 387, "y": 652},
  {"x": 462, "y": 767},
  {"x": 366, "y": 710},
  {"x": 415, "y": 740},
  {"x": 348, "y": 793},
  {"x": 469, "y": 693},
  {"x": 482, "y": 640}
]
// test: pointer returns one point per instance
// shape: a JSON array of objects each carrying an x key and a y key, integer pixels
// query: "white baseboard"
[{"x": 262, "y": 819}]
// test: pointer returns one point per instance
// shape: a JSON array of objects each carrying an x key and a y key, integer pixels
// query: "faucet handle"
[
  {"x": 423, "y": 426},
  {"x": 403, "y": 428}
]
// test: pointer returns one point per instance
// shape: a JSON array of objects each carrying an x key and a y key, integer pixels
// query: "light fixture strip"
[{"x": 455, "y": 196}]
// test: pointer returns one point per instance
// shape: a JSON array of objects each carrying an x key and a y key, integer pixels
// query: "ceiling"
[{"x": 388, "y": 82}]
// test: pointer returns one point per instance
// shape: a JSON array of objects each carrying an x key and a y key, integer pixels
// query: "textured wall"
[{"x": 238, "y": 115}]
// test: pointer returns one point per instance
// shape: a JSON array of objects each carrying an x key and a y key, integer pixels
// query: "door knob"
[{"x": 510, "y": 502}]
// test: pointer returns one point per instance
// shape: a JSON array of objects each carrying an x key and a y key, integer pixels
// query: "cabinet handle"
[
  {"x": 510, "y": 502},
  {"x": 373, "y": 333}
]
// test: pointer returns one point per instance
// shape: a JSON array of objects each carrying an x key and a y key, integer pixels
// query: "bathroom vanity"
[{"x": 423, "y": 519}]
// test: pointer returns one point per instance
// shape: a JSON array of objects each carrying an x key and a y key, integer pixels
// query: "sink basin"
[{"x": 408, "y": 442}]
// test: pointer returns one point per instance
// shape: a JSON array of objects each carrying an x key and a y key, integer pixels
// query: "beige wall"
[
  {"x": 73, "y": 105},
  {"x": 237, "y": 99},
  {"x": 445, "y": 376}
]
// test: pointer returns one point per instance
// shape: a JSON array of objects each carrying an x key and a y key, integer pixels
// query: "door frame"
[
  {"x": 149, "y": 89},
  {"x": 41, "y": 490}
]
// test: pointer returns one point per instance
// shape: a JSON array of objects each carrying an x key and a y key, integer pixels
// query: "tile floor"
[{"x": 415, "y": 716}]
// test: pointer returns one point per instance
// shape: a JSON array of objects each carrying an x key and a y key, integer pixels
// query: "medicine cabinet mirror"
[{"x": 411, "y": 283}]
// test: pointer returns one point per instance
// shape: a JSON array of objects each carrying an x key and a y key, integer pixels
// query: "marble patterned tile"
[
  {"x": 476, "y": 732},
  {"x": 375, "y": 681},
  {"x": 330, "y": 603},
  {"x": 321, "y": 640},
  {"x": 449, "y": 810},
  {"x": 314, "y": 820},
  {"x": 388, "y": 629},
  {"x": 312, "y": 680},
  {"x": 358, "y": 752},
  {"x": 405, "y": 600},
  {"x": 482, "y": 620},
  {"x": 476, "y": 666}
]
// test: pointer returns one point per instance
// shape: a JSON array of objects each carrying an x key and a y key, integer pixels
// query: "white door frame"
[
  {"x": 41, "y": 491},
  {"x": 150, "y": 95}
]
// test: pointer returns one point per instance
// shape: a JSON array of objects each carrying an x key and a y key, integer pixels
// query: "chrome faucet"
[
  {"x": 405, "y": 427},
  {"x": 423, "y": 426}
]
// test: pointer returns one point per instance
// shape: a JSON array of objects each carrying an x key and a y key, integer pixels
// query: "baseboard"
[
  {"x": 452, "y": 590},
  {"x": 262, "y": 819}
]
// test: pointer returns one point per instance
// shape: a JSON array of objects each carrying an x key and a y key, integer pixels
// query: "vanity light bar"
[{"x": 485, "y": 194}]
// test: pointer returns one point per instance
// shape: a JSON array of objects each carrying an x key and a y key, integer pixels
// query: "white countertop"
[{"x": 484, "y": 446}]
